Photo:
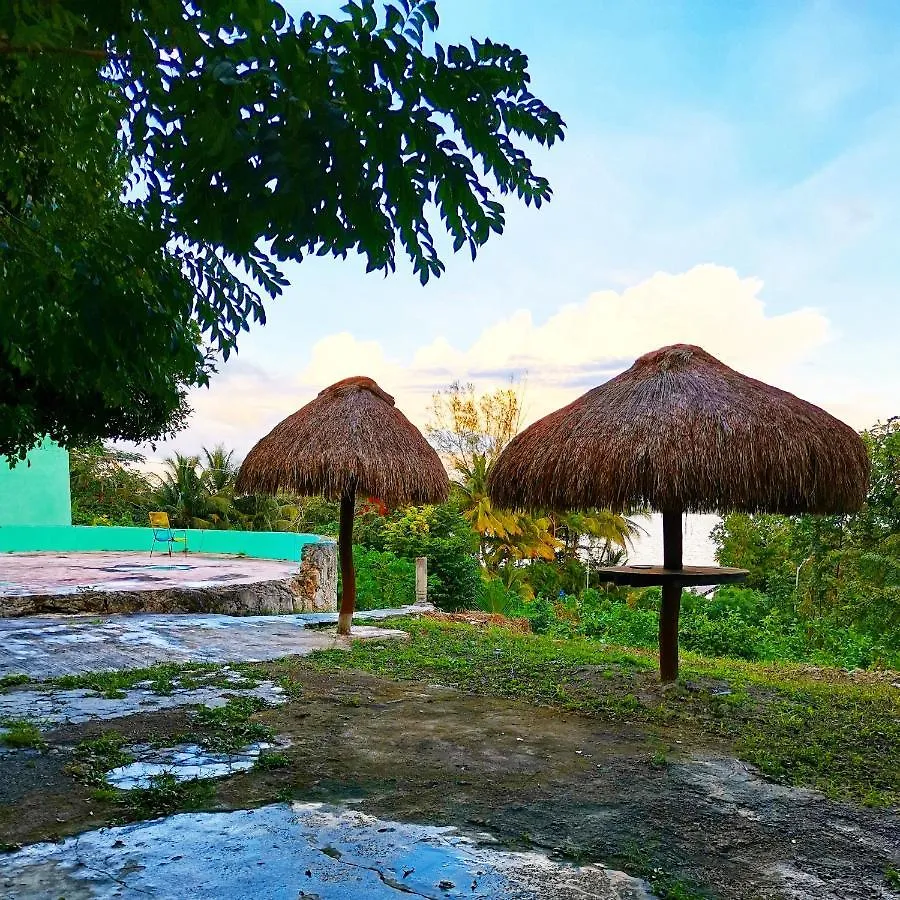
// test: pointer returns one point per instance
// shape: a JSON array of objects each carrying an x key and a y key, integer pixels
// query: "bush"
[
  {"x": 495, "y": 597},
  {"x": 441, "y": 534},
  {"x": 383, "y": 580}
]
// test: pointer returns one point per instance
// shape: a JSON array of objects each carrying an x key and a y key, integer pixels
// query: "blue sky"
[{"x": 729, "y": 177}]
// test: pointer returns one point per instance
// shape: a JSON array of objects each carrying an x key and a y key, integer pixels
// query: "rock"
[{"x": 316, "y": 582}]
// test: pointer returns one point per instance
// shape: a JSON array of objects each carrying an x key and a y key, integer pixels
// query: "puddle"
[
  {"x": 185, "y": 762},
  {"x": 283, "y": 852},
  {"x": 48, "y": 708}
]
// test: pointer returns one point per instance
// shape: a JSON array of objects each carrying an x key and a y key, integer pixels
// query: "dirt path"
[{"x": 532, "y": 777}]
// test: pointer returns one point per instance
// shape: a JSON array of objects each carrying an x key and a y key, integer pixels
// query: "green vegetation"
[
  {"x": 166, "y": 794},
  {"x": 269, "y": 760},
  {"x": 383, "y": 580},
  {"x": 163, "y": 678},
  {"x": 832, "y": 733},
  {"x": 286, "y": 145},
  {"x": 8, "y": 681},
  {"x": 92, "y": 759},
  {"x": 229, "y": 728},
  {"x": 20, "y": 734},
  {"x": 829, "y": 586}
]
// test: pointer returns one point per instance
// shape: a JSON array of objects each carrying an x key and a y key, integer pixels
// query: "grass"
[
  {"x": 164, "y": 679},
  {"x": 229, "y": 728},
  {"x": 829, "y": 733},
  {"x": 165, "y": 795},
  {"x": 8, "y": 681},
  {"x": 20, "y": 734},
  {"x": 92, "y": 759},
  {"x": 268, "y": 761}
]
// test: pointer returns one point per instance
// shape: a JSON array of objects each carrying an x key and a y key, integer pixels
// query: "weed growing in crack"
[
  {"x": 92, "y": 759},
  {"x": 166, "y": 794},
  {"x": 163, "y": 679},
  {"x": 21, "y": 734},
  {"x": 229, "y": 728},
  {"x": 267, "y": 761}
]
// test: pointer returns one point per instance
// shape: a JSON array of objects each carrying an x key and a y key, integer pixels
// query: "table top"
[{"x": 646, "y": 576}]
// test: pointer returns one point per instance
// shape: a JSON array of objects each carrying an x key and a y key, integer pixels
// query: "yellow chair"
[{"x": 163, "y": 532}]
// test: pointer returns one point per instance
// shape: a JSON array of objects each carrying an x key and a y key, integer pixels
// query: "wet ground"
[
  {"x": 283, "y": 852},
  {"x": 558, "y": 796},
  {"x": 50, "y": 646}
]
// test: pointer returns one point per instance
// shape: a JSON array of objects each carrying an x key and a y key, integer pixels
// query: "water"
[
  {"x": 184, "y": 762},
  {"x": 307, "y": 850}
]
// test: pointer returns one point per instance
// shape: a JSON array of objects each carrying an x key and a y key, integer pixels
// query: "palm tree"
[
  {"x": 598, "y": 532},
  {"x": 504, "y": 536},
  {"x": 183, "y": 493},
  {"x": 219, "y": 471}
]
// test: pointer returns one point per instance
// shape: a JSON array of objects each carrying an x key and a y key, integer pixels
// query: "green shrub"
[
  {"x": 495, "y": 597},
  {"x": 441, "y": 534},
  {"x": 383, "y": 580}
]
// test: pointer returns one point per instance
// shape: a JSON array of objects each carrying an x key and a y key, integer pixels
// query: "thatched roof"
[
  {"x": 350, "y": 436},
  {"x": 680, "y": 430}
]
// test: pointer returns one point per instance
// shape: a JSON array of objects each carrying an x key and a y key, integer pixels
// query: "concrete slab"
[
  {"x": 51, "y": 708},
  {"x": 50, "y": 646},
  {"x": 54, "y": 574}
]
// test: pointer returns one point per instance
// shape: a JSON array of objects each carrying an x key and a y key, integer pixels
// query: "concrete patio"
[{"x": 50, "y": 646}]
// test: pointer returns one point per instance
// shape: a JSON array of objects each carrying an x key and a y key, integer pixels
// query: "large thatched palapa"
[
  {"x": 350, "y": 439},
  {"x": 682, "y": 432}
]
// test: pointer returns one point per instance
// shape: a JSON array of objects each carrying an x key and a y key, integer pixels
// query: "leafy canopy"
[{"x": 242, "y": 137}]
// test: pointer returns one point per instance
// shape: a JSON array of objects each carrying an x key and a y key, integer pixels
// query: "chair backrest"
[{"x": 159, "y": 520}]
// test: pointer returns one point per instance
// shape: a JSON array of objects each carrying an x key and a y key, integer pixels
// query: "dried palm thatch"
[
  {"x": 351, "y": 439},
  {"x": 680, "y": 431}
]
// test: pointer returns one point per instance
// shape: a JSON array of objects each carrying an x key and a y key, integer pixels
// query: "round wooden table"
[{"x": 648, "y": 576}]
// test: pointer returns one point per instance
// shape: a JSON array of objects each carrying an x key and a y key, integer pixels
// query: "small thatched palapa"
[
  {"x": 351, "y": 439},
  {"x": 680, "y": 431}
]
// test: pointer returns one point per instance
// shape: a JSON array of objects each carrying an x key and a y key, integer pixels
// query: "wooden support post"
[
  {"x": 345, "y": 554},
  {"x": 671, "y": 598},
  {"x": 421, "y": 580}
]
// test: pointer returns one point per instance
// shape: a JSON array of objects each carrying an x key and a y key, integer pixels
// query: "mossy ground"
[{"x": 814, "y": 728}]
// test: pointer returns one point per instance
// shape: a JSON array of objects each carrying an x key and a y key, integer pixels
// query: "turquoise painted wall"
[
  {"x": 86, "y": 538},
  {"x": 36, "y": 491}
]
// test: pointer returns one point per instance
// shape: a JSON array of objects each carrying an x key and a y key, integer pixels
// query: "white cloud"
[{"x": 579, "y": 346}]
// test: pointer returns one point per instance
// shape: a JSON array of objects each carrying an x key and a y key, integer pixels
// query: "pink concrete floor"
[{"x": 22, "y": 574}]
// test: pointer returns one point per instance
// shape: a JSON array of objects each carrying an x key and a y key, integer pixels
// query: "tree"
[
  {"x": 470, "y": 430},
  {"x": 837, "y": 574},
  {"x": 98, "y": 338},
  {"x": 243, "y": 137},
  {"x": 107, "y": 488},
  {"x": 219, "y": 470},
  {"x": 183, "y": 492}
]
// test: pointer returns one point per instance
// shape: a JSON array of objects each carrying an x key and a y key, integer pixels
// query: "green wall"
[
  {"x": 88, "y": 538},
  {"x": 36, "y": 491}
]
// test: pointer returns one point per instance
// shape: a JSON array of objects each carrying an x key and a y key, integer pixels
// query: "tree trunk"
[
  {"x": 345, "y": 553},
  {"x": 671, "y": 599}
]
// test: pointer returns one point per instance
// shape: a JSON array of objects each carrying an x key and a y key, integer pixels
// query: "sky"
[{"x": 729, "y": 178}]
